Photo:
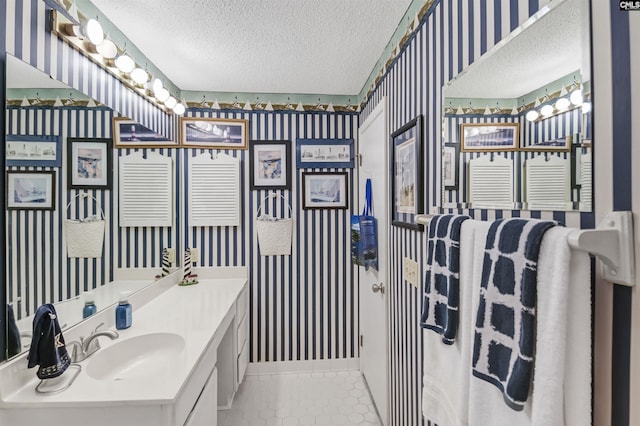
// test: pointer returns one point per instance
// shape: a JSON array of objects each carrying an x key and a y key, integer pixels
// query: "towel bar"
[
  {"x": 612, "y": 242},
  {"x": 424, "y": 219}
]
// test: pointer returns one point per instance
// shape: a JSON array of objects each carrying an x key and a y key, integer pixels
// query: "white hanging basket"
[
  {"x": 274, "y": 234},
  {"x": 85, "y": 237}
]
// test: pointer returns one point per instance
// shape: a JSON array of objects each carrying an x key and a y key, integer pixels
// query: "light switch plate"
[{"x": 410, "y": 271}]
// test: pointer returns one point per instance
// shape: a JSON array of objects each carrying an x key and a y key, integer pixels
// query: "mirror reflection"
[
  {"x": 517, "y": 122},
  {"x": 41, "y": 115}
]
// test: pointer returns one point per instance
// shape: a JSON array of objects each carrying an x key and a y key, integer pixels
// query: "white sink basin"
[{"x": 136, "y": 357}]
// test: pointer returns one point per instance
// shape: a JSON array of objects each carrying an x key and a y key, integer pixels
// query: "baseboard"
[{"x": 313, "y": 366}]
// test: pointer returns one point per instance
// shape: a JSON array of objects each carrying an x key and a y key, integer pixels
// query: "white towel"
[
  {"x": 562, "y": 377},
  {"x": 447, "y": 368}
]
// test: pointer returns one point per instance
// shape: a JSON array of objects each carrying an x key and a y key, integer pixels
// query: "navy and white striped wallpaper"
[
  {"x": 453, "y": 34},
  {"x": 303, "y": 306}
]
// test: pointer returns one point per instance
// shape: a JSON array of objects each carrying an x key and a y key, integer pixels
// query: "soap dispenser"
[
  {"x": 89, "y": 305},
  {"x": 123, "y": 312}
]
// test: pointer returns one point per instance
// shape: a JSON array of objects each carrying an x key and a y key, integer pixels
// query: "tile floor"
[{"x": 330, "y": 398}]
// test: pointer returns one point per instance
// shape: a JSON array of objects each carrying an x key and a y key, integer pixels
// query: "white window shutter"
[
  {"x": 548, "y": 182},
  {"x": 214, "y": 191},
  {"x": 491, "y": 182},
  {"x": 146, "y": 190}
]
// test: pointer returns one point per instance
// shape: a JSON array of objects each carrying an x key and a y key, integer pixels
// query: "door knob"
[{"x": 377, "y": 288}]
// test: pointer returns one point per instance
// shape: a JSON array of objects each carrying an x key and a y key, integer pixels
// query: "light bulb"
[
  {"x": 140, "y": 76},
  {"x": 156, "y": 85},
  {"x": 586, "y": 107},
  {"x": 546, "y": 110},
  {"x": 93, "y": 31},
  {"x": 179, "y": 109},
  {"x": 170, "y": 102},
  {"x": 562, "y": 104},
  {"x": 125, "y": 64},
  {"x": 162, "y": 95},
  {"x": 576, "y": 97},
  {"x": 532, "y": 115},
  {"x": 107, "y": 49}
]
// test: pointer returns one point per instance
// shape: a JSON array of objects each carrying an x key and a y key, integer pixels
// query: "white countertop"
[{"x": 194, "y": 312}]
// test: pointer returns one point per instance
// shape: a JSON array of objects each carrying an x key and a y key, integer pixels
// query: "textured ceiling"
[
  {"x": 552, "y": 47},
  {"x": 280, "y": 46}
]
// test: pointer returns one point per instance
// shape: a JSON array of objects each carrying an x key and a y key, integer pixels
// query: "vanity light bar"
[{"x": 135, "y": 78}]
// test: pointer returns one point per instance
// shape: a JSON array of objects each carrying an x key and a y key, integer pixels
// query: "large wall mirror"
[
  {"x": 43, "y": 118},
  {"x": 517, "y": 122}
]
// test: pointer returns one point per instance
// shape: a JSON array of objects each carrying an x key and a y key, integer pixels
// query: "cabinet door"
[{"x": 205, "y": 410}]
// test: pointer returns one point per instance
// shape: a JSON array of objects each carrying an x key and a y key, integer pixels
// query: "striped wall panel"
[
  {"x": 452, "y": 35},
  {"x": 303, "y": 306},
  {"x": 28, "y": 39}
]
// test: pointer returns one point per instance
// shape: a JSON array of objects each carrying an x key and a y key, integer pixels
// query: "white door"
[{"x": 374, "y": 358}]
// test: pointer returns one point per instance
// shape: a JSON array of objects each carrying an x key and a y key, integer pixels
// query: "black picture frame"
[
  {"x": 270, "y": 165},
  {"x": 89, "y": 163},
  {"x": 407, "y": 175},
  {"x": 31, "y": 190},
  {"x": 450, "y": 166},
  {"x": 332, "y": 197}
]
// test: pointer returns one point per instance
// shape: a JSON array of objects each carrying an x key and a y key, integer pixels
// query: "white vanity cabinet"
[
  {"x": 242, "y": 344},
  {"x": 211, "y": 317},
  {"x": 233, "y": 353},
  {"x": 204, "y": 412}
]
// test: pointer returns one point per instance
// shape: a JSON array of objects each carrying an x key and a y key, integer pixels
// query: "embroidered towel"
[
  {"x": 505, "y": 324},
  {"x": 441, "y": 290},
  {"x": 47, "y": 344}
]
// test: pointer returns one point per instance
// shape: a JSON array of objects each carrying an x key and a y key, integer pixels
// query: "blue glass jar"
[
  {"x": 89, "y": 305},
  {"x": 123, "y": 312}
]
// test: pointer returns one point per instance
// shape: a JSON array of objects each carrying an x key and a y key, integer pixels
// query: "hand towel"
[
  {"x": 504, "y": 341},
  {"x": 447, "y": 368},
  {"x": 441, "y": 292},
  {"x": 47, "y": 345}
]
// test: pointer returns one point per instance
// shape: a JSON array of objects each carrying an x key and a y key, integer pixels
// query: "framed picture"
[
  {"x": 129, "y": 133},
  {"x": 34, "y": 151},
  {"x": 324, "y": 153},
  {"x": 450, "y": 160},
  {"x": 270, "y": 165},
  {"x": 325, "y": 190},
  {"x": 33, "y": 190},
  {"x": 219, "y": 133},
  {"x": 407, "y": 175},
  {"x": 89, "y": 163},
  {"x": 557, "y": 144},
  {"x": 489, "y": 136}
]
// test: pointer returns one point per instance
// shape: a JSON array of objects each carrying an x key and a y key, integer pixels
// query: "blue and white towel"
[
  {"x": 441, "y": 290},
  {"x": 503, "y": 350}
]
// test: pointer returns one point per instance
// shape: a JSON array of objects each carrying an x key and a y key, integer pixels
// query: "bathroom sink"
[{"x": 137, "y": 357}]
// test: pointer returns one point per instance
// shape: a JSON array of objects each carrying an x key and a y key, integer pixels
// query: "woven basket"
[
  {"x": 274, "y": 236},
  {"x": 84, "y": 239}
]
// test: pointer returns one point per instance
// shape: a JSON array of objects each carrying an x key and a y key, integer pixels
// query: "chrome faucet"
[{"x": 87, "y": 346}]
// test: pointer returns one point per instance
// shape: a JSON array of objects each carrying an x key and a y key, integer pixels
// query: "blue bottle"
[
  {"x": 89, "y": 305},
  {"x": 123, "y": 312}
]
